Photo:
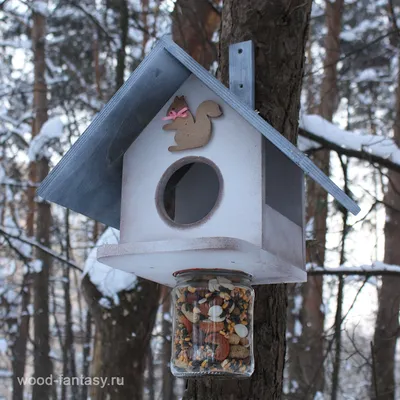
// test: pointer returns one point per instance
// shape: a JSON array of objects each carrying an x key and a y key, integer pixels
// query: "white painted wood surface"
[
  {"x": 235, "y": 148},
  {"x": 282, "y": 237},
  {"x": 158, "y": 261}
]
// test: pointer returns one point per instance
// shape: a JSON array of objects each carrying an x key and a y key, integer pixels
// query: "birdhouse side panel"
[
  {"x": 283, "y": 184},
  {"x": 232, "y": 154},
  {"x": 284, "y": 207},
  {"x": 284, "y": 239}
]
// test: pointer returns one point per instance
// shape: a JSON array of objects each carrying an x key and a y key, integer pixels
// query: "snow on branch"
[
  {"x": 16, "y": 44},
  {"x": 51, "y": 131},
  {"x": 14, "y": 127},
  {"x": 316, "y": 132},
  {"x": 375, "y": 269}
]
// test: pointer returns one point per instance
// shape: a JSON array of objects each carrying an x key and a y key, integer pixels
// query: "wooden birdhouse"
[
  {"x": 204, "y": 192},
  {"x": 191, "y": 175}
]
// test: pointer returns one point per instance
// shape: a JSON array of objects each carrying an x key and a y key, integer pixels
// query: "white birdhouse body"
[{"x": 234, "y": 153}]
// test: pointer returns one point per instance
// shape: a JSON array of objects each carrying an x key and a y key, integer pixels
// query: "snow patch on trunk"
[{"x": 109, "y": 281}]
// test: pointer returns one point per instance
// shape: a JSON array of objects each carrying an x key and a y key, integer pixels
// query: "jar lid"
[{"x": 216, "y": 271}]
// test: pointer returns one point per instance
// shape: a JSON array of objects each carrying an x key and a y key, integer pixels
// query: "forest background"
[{"x": 64, "y": 313}]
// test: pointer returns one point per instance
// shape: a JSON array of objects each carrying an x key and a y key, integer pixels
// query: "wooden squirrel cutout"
[{"x": 190, "y": 133}]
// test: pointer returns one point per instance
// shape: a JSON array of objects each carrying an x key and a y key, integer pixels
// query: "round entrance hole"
[{"x": 189, "y": 191}]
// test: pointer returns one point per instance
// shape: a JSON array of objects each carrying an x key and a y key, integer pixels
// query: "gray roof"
[{"x": 88, "y": 178}]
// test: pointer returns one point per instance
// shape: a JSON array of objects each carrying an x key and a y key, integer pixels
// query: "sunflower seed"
[
  {"x": 241, "y": 330},
  {"x": 215, "y": 311}
]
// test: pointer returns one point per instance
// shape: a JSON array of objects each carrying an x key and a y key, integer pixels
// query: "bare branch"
[{"x": 41, "y": 247}]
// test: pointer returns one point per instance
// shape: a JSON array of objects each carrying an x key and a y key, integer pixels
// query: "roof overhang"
[{"x": 88, "y": 178}]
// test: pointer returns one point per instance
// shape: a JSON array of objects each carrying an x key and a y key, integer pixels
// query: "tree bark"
[
  {"x": 151, "y": 379},
  {"x": 86, "y": 353},
  {"x": 194, "y": 23},
  {"x": 337, "y": 362},
  {"x": 42, "y": 361},
  {"x": 20, "y": 343},
  {"x": 279, "y": 31},
  {"x": 121, "y": 54},
  {"x": 145, "y": 25},
  {"x": 307, "y": 359},
  {"x": 387, "y": 321},
  {"x": 338, "y": 340},
  {"x": 125, "y": 333},
  {"x": 166, "y": 328},
  {"x": 69, "y": 366}
]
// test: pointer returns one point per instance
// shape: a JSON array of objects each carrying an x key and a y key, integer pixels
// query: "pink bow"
[{"x": 174, "y": 115}]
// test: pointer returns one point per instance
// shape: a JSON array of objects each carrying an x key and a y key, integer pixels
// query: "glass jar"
[{"x": 212, "y": 324}]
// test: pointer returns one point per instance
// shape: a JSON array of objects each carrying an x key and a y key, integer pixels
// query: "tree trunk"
[
  {"x": 21, "y": 339},
  {"x": 92, "y": 364},
  {"x": 86, "y": 353},
  {"x": 168, "y": 378},
  {"x": 337, "y": 339},
  {"x": 306, "y": 369},
  {"x": 125, "y": 332},
  {"x": 387, "y": 321},
  {"x": 151, "y": 382},
  {"x": 97, "y": 362},
  {"x": 121, "y": 54},
  {"x": 279, "y": 31},
  {"x": 145, "y": 25},
  {"x": 194, "y": 23},
  {"x": 42, "y": 361},
  {"x": 69, "y": 366},
  {"x": 337, "y": 361},
  {"x": 20, "y": 343}
]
